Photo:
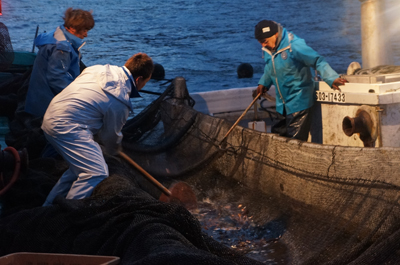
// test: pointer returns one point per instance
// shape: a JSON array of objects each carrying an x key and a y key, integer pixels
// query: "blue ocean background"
[{"x": 203, "y": 41}]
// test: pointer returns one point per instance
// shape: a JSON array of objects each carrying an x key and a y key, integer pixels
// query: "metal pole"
[
  {"x": 376, "y": 42},
  {"x": 37, "y": 30}
]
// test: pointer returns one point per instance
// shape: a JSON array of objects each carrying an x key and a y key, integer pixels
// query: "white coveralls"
[{"x": 97, "y": 102}]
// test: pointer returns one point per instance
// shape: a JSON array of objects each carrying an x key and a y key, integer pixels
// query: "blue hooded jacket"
[
  {"x": 288, "y": 68},
  {"x": 56, "y": 65}
]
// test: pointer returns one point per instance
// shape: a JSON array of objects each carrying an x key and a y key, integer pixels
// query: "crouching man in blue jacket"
[
  {"x": 287, "y": 66},
  {"x": 97, "y": 103}
]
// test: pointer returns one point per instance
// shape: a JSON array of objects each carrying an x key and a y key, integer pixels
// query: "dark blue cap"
[{"x": 265, "y": 29}]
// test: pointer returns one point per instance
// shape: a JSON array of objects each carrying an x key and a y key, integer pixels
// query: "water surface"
[{"x": 203, "y": 41}]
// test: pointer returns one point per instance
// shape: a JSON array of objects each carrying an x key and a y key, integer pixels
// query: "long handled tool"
[
  {"x": 180, "y": 192},
  {"x": 147, "y": 175},
  {"x": 37, "y": 30},
  {"x": 239, "y": 119}
]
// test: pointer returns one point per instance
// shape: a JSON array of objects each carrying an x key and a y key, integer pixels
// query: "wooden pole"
[
  {"x": 240, "y": 118},
  {"x": 147, "y": 175}
]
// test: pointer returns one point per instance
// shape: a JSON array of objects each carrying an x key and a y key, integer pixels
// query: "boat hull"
[{"x": 333, "y": 180}]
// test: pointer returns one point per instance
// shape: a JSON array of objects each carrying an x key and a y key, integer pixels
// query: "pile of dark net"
[
  {"x": 119, "y": 219},
  {"x": 6, "y": 49}
]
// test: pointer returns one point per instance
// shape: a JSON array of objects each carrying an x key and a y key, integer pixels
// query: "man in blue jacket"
[
  {"x": 58, "y": 61},
  {"x": 287, "y": 66}
]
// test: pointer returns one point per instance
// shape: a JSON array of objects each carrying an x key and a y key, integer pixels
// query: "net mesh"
[
  {"x": 119, "y": 219},
  {"x": 8, "y": 83},
  {"x": 6, "y": 49},
  {"x": 381, "y": 69},
  {"x": 308, "y": 203}
]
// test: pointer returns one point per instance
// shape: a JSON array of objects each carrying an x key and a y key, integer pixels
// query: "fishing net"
[
  {"x": 262, "y": 198},
  {"x": 381, "y": 69},
  {"x": 119, "y": 219},
  {"x": 24, "y": 128},
  {"x": 6, "y": 49},
  {"x": 8, "y": 99}
]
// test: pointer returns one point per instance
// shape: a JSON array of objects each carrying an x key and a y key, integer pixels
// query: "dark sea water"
[{"x": 203, "y": 41}]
